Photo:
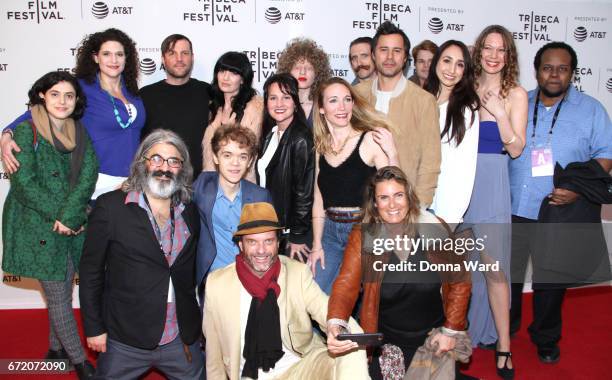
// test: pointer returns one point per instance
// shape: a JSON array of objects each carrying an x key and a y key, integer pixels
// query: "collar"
[
  {"x": 572, "y": 96},
  {"x": 399, "y": 87},
  {"x": 221, "y": 194},
  {"x": 137, "y": 197}
]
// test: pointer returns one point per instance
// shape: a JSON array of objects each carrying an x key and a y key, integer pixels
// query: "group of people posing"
[{"x": 191, "y": 209}]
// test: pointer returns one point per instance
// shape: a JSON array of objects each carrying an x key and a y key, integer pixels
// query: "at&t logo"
[
  {"x": 147, "y": 66},
  {"x": 435, "y": 25},
  {"x": 273, "y": 15},
  {"x": 581, "y": 33},
  {"x": 609, "y": 85},
  {"x": 100, "y": 10}
]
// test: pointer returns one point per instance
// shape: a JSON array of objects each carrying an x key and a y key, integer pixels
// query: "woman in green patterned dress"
[{"x": 45, "y": 211}]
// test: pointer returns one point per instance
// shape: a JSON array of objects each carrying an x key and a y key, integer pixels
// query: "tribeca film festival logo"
[
  {"x": 381, "y": 11},
  {"x": 535, "y": 27},
  {"x": 216, "y": 11},
  {"x": 100, "y": 10},
  {"x": 264, "y": 62},
  {"x": 582, "y": 75},
  {"x": 274, "y": 15},
  {"x": 38, "y": 11},
  {"x": 436, "y": 24}
]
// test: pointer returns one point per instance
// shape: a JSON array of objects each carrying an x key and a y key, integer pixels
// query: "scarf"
[
  {"x": 70, "y": 139},
  {"x": 262, "y": 339}
]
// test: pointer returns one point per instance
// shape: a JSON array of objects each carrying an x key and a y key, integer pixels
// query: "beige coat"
[
  {"x": 300, "y": 300},
  {"x": 414, "y": 114}
]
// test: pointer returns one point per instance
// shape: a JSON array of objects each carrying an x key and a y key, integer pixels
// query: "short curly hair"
[
  {"x": 87, "y": 68},
  {"x": 510, "y": 72},
  {"x": 305, "y": 48},
  {"x": 243, "y": 136}
]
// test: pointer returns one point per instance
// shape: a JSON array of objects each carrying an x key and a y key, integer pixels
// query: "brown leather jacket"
[{"x": 455, "y": 295}]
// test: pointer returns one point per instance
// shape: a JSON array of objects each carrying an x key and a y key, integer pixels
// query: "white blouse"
[
  {"x": 457, "y": 170},
  {"x": 265, "y": 159}
]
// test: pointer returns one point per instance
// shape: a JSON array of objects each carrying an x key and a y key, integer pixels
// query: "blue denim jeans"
[{"x": 335, "y": 237}]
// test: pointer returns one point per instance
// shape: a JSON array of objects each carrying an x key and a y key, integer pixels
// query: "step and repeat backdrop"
[{"x": 38, "y": 36}]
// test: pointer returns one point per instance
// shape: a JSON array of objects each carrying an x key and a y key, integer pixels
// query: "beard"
[
  {"x": 178, "y": 74},
  {"x": 162, "y": 189},
  {"x": 551, "y": 94}
]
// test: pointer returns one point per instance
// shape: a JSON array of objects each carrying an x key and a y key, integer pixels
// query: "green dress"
[{"x": 39, "y": 195}]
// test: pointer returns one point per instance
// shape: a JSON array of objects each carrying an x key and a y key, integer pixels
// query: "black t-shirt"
[{"x": 182, "y": 109}]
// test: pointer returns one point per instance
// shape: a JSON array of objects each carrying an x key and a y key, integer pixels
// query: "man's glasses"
[{"x": 157, "y": 160}]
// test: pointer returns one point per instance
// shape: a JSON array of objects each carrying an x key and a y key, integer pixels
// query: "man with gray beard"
[{"x": 137, "y": 270}]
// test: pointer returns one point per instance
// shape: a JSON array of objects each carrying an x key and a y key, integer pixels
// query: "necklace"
[
  {"x": 116, "y": 112},
  {"x": 337, "y": 152}
]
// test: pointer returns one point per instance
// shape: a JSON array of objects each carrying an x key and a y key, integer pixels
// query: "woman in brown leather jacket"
[{"x": 403, "y": 305}]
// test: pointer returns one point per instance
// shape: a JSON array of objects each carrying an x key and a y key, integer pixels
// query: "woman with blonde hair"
[
  {"x": 352, "y": 140},
  {"x": 503, "y": 120}
]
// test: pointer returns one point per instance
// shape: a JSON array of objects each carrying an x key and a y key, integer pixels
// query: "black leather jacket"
[{"x": 290, "y": 180}]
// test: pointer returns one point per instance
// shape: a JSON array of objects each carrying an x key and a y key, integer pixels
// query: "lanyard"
[
  {"x": 159, "y": 229},
  {"x": 535, "y": 115}
]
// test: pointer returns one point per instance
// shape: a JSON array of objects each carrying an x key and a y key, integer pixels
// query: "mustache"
[
  {"x": 166, "y": 173},
  {"x": 363, "y": 67}
]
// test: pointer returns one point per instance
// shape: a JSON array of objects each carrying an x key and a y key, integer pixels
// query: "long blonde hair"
[{"x": 364, "y": 117}]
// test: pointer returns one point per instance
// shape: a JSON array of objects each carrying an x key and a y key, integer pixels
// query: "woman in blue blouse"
[{"x": 107, "y": 70}]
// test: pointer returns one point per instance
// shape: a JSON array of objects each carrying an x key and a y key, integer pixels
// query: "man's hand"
[
  {"x": 445, "y": 343},
  {"x": 562, "y": 197},
  {"x": 97, "y": 343},
  {"x": 8, "y": 145},
  {"x": 335, "y": 346}
]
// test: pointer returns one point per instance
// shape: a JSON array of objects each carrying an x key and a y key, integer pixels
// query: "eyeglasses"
[{"x": 157, "y": 160}]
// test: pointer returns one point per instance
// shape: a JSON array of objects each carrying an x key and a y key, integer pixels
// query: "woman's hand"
[
  {"x": 316, "y": 254},
  {"x": 494, "y": 104},
  {"x": 384, "y": 138},
  {"x": 61, "y": 229},
  {"x": 445, "y": 343},
  {"x": 335, "y": 346},
  {"x": 299, "y": 252}
]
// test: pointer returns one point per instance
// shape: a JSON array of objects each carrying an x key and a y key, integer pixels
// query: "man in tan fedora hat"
[{"x": 258, "y": 311}]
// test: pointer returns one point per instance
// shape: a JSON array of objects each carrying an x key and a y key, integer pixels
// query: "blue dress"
[{"x": 489, "y": 215}]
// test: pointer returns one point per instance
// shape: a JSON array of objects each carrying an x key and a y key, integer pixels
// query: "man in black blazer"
[{"x": 137, "y": 270}]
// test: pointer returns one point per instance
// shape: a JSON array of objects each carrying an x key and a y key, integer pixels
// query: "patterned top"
[{"x": 171, "y": 251}]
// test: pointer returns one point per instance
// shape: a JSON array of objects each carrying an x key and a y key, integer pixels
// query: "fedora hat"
[{"x": 256, "y": 218}]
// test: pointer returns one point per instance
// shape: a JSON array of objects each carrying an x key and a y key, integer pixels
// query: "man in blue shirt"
[
  {"x": 564, "y": 126},
  {"x": 220, "y": 196}
]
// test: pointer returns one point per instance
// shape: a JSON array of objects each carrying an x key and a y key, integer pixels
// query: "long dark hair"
[
  {"x": 462, "y": 96},
  {"x": 288, "y": 85},
  {"x": 238, "y": 63},
  {"x": 44, "y": 84},
  {"x": 87, "y": 68}
]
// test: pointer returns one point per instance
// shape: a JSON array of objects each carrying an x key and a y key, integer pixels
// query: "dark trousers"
[
  {"x": 545, "y": 330},
  {"x": 121, "y": 361}
]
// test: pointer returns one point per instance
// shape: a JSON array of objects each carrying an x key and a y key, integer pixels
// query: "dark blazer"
[
  {"x": 124, "y": 276},
  {"x": 204, "y": 195},
  {"x": 290, "y": 180}
]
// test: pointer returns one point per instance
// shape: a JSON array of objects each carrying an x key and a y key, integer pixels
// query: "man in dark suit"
[
  {"x": 137, "y": 287},
  {"x": 220, "y": 196}
]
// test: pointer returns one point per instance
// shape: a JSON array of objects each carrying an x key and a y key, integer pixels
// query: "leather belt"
[{"x": 340, "y": 216}]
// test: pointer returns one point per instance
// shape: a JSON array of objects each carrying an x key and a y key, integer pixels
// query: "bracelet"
[
  {"x": 450, "y": 332},
  {"x": 513, "y": 139},
  {"x": 340, "y": 322},
  {"x": 318, "y": 217},
  {"x": 9, "y": 131},
  {"x": 316, "y": 249}
]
